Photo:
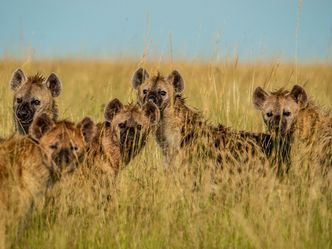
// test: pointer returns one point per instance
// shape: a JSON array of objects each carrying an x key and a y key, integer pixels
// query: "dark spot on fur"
[{"x": 217, "y": 143}]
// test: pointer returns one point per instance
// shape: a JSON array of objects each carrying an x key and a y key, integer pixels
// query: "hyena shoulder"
[
  {"x": 313, "y": 119},
  {"x": 22, "y": 179},
  {"x": 17, "y": 153},
  {"x": 314, "y": 129}
]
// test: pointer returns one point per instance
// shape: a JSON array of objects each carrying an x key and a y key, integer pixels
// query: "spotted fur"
[{"x": 183, "y": 129}]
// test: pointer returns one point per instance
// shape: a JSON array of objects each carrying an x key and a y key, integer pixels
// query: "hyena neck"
[
  {"x": 308, "y": 122},
  {"x": 54, "y": 111},
  {"x": 313, "y": 134},
  {"x": 96, "y": 144},
  {"x": 105, "y": 146},
  {"x": 38, "y": 176},
  {"x": 177, "y": 122},
  {"x": 276, "y": 149}
]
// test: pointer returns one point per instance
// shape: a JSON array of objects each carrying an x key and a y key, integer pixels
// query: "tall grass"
[{"x": 149, "y": 206}]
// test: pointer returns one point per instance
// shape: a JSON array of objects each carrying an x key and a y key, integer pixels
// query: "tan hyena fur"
[
  {"x": 33, "y": 95},
  {"x": 294, "y": 117},
  {"x": 29, "y": 165},
  {"x": 183, "y": 129},
  {"x": 123, "y": 133}
]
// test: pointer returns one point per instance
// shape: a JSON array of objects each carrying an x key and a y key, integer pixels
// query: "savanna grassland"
[{"x": 150, "y": 206}]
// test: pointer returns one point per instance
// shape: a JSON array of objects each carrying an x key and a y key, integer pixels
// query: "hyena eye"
[
  {"x": 139, "y": 127},
  {"x": 162, "y": 93},
  {"x": 145, "y": 91},
  {"x": 19, "y": 100},
  {"x": 122, "y": 125},
  {"x": 269, "y": 114},
  {"x": 53, "y": 146},
  {"x": 36, "y": 102},
  {"x": 286, "y": 113}
]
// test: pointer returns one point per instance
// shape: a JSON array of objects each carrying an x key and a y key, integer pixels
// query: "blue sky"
[{"x": 211, "y": 29}]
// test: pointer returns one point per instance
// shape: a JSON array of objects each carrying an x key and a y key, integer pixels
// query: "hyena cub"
[
  {"x": 29, "y": 165},
  {"x": 124, "y": 132},
  {"x": 182, "y": 127},
  {"x": 33, "y": 95},
  {"x": 291, "y": 116}
]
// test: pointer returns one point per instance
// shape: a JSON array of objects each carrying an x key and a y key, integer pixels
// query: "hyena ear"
[
  {"x": 88, "y": 129},
  {"x": 299, "y": 95},
  {"x": 259, "y": 97},
  {"x": 177, "y": 81},
  {"x": 112, "y": 109},
  {"x": 17, "y": 79},
  {"x": 152, "y": 112},
  {"x": 54, "y": 84},
  {"x": 139, "y": 77},
  {"x": 41, "y": 125}
]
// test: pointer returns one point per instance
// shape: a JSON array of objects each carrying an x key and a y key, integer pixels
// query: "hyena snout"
[
  {"x": 131, "y": 137},
  {"x": 152, "y": 97},
  {"x": 63, "y": 157},
  {"x": 155, "y": 98},
  {"x": 277, "y": 124},
  {"x": 24, "y": 112}
]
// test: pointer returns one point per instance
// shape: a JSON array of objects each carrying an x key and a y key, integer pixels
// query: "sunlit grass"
[{"x": 150, "y": 207}]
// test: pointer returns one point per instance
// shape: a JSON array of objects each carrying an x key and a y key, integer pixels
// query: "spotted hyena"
[
  {"x": 182, "y": 128},
  {"x": 29, "y": 165},
  {"x": 124, "y": 132},
  {"x": 33, "y": 95},
  {"x": 292, "y": 116}
]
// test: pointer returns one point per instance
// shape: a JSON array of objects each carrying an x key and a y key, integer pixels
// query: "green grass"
[{"x": 150, "y": 207}]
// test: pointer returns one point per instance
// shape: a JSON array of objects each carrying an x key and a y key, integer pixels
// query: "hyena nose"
[
  {"x": 23, "y": 112},
  {"x": 129, "y": 133},
  {"x": 132, "y": 131},
  {"x": 277, "y": 117},
  {"x": 64, "y": 156},
  {"x": 152, "y": 98}
]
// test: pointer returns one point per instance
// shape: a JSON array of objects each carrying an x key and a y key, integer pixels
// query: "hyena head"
[
  {"x": 33, "y": 95},
  {"x": 63, "y": 143},
  {"x": 162, "y": 91},
  {"x": 129, "y": 125},
  {"x": 280, "y": 109}
]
